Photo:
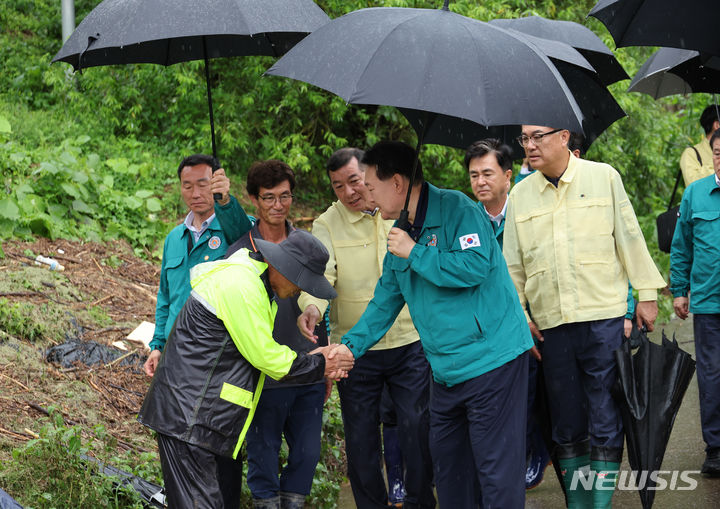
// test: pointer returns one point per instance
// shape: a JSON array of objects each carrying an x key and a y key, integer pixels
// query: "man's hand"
[
  {"x": 681, "y": 307},
  {"x": 338, "y": 360},
  {"x": 328, "y": 389},
  {"x": 627, "y": 327},
  {"x": 536, "y": 353},
  {"x": 219, "y": 183},
  {"x": 647, "y": 312},
  {"x": 535, "y": 332},
  {"x": 307, "y": 320},
  {"x": 152, "y": 361},
  {"x": 399, "y": 243}
]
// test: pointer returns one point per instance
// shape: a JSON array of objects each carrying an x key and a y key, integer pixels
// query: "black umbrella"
[
  {"x": 166, "y": 32},
  {"x": 599, "y": 107},
  {"x": 692, "y": 24},
  {"x": 677, "y": 71},
  {"x": 649, "y": 390},
  {"x": 574, "y": 34},
  {"x": 436, "y": 62}
]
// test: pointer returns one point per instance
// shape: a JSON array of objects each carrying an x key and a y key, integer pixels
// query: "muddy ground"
[{"x": 104, "y": 292}]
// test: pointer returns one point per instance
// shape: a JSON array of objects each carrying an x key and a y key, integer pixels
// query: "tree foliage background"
[{"x": 93, "y": 155}]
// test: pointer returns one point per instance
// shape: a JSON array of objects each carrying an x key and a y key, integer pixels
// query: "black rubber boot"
[{"x": 291, "y": 500}]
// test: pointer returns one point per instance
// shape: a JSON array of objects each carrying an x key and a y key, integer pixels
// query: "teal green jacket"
[
  {"x": 695, "y": 250},
  {"x": 229, "y": 225},
  {"x": 458, "y": 290}
]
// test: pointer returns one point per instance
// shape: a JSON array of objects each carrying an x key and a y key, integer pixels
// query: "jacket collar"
[
  {"x": 348, "y": 215},
  {"x": 567, "y": 177},
  {"x": 433, "y": 216}
]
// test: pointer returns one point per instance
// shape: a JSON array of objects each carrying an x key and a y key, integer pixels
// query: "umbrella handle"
[
  {"x": 216, "y": 166},
  {"x": 403, "y": 221}
]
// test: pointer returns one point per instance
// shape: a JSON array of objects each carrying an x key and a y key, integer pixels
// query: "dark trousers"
[
  {"x": 580, "y": 370},
  {"x": 707, "y": 354},
  {"x": 477, "y": 437},
  {"x": 295, "y": 412},
  {"x": 196, "y": 478},
  {"x": 407, "y": 374},
  {"x": 534, "y": 443}
]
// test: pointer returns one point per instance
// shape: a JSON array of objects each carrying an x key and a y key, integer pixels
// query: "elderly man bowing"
[{"x": 571, "y": 242}]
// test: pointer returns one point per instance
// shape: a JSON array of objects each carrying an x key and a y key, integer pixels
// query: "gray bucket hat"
[{"x": 301, "y": 258}]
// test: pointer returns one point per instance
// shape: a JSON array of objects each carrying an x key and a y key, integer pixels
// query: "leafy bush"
[{"x": 58, "y": 474}]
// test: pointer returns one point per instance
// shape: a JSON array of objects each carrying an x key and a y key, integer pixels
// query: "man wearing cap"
[
  {"x": 355, "y": 235},
  {"x": 208, "y": 381},
  {"x": 292, "y": 409},
  {"x": 449, "y": 270},
  {"x": 209, "y": 228},
  {"x": 571, "y": 242}
]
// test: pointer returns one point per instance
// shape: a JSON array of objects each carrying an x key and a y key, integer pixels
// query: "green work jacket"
[
  {"x": 695, "y": 250},
  {"x": 458, "y": 291},
  {"x": 229, "y": 225}
]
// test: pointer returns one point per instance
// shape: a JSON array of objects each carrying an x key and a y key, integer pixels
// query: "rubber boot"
[
  {"x": 574, "y": 461},
  {"x": 393, "y": 465},
  {"x": 266, "y": 503},
  {"x": 291, "y": 500},
  {"x": 605, "y": 464}
]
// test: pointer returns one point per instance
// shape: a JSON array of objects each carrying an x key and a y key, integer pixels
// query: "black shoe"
[{"x": 711, "y": 466}]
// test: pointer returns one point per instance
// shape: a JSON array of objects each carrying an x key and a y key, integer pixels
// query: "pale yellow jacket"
[
  {"x": 690, "y": 166},
  {"x": 571, "y": 249},
  {"x": 357, "y": 243}
]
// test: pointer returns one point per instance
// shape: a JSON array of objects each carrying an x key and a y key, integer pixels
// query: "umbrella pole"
[
  {"x": 216, "y": 162},
  {"x": 403, "y": 221}
]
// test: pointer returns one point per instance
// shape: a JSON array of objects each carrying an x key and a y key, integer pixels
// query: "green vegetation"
[{"x": 50, "y": 471}]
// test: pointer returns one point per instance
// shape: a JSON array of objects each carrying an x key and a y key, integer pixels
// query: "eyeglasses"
[
  {"x": 536, "y": 138},
  {"x": 270, "y": 199}
]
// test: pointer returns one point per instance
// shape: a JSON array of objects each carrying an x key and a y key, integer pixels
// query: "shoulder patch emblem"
[
  {"x": 469, "y": 240},
  {"x": 214, "y": 242}
]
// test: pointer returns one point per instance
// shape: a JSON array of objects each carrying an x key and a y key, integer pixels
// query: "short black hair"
[
  {"x": 708, "y": 117},
  {"x": 393, "y": 157},
  {"x": 576, "y": 142},
  {"x": 715, "y": 136},
  {"x": 268, "y": 174},
  {"x": 341, "y": 157},
  {"x": 195, "y": 160},
  {"x": 480, "y": 148}
]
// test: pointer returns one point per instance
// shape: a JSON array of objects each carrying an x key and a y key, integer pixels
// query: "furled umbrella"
[
  {"x": 650, "y": 387},
  {"x": 166, "y": 32},
  {"x": 436, "y": 62},
  {"x": 691, "y": 24},
  {"x": 576, "y": 35},
  {"x": 677, "y": 71}
]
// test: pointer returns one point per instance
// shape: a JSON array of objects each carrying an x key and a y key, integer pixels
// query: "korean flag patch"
[{"x": 469, "y": 240}]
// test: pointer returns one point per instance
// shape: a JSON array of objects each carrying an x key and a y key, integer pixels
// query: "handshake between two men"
[{"x": 338, "y": 360}]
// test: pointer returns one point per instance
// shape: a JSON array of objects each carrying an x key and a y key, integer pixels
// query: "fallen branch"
[
  {"x": 19, "y": 436},
  {"x": 15, "y": 381}
]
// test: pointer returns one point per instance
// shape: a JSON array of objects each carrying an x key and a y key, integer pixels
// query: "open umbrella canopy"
[
  {"x": 170, "y": 31},
  {"x": 437, "y": 62},
  {"x": 677, "y": 71},
  {"x": 691, "y": 24},
  {"x": 574, "y": 34},
  {"x": 650, "y": 387},
  {"x": 166, "y": 32}
]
